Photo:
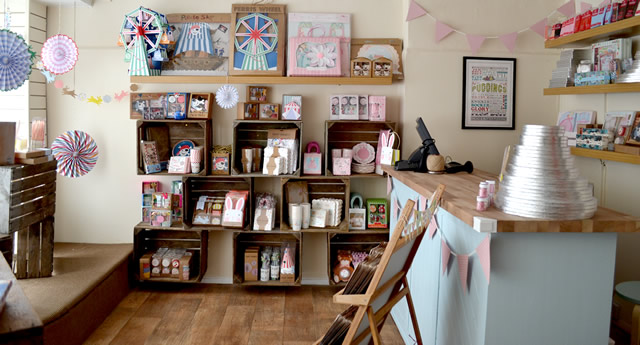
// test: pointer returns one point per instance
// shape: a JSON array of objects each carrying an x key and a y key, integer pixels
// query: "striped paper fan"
[
  {"x": 16, "y": 59},
  {"x": 76, "y": 153},
  {"x": 59, "y": 54}
]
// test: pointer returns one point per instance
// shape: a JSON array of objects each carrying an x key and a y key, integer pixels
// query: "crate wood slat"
[
  {"x": 216, "y": 186},
  {"x": 34, "y": 181},
  {"x": 32, "y": 206},
  {"x": 20, "y": 264},
  {"x": 19, "y": 223},
  {"x": 325, "y": 187},
  {"x": 33, "y": 193},
  {"x": 347, "y": 134},
  {"x": 46, "y": 253},
  {"x": 30, "y": 170},
  {"x": 198, "y": 131},
  {"x": 195, "y": 241},
  {"x": 252, "y": 133},
  {"x": 243, "y": 240},
  {"x": 33, "y": 259}
]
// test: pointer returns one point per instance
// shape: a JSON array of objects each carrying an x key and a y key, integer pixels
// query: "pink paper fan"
[{"x": 59, "y": 54}]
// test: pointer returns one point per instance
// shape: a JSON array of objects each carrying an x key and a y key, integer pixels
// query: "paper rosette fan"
[
  {"x": 59, "y": 54},
  {"x": 16, "y": 59},
  {"x": 76, "y": 153},
  {"x": 227, "y": 96}
]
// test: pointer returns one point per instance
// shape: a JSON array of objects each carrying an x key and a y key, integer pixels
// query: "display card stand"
[{"x": 389, "y": 283}]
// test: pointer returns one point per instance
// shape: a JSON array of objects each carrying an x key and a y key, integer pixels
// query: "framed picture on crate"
[
  {"x": 488, "y": 93},
  {"x": 258, "y": 39},
  {"x": 257, "y": 93},
  {"x": 269, "y": 111}
]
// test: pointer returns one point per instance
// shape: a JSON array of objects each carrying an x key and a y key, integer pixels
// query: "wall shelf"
[
  {"x": 624, "y": 28},
  {"x": 181, "y": 79},
  {"x": 606, "y": 155},
  {"x": 593, "y": 89}
]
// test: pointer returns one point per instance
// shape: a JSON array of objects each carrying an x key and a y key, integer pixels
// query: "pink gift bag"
[{"x": 312, "y": 160}]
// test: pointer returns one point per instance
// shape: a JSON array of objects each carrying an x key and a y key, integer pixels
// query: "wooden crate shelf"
[
  {"x": 325, "y": 187},
  {"x": 592, "y": 89},
  {"x": 149, "y": 240},
  {"x": 253, "y": 133},
  {"x": 624, "y": 28},
  {"x": 354, "y": 241},
  {"x": 250, "y": 80},
  {"x": 194, "y": 187},
  {"x": 198, "y": 131},
  {"x": 346, "y": 134},
  {"x": 243, "y": 240},
  {"x": 606, "y": 155}
]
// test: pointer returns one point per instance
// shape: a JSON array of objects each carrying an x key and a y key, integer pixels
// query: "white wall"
[{"x": 104, "y": 205}]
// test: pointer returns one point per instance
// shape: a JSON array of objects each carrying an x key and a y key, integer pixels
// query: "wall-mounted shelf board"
[
  {"x": 625, "y": 28},
  {"x": 253, "y": 80},
  {"x": 593, "y": 89},
  {"x": 606, "y": 155}
]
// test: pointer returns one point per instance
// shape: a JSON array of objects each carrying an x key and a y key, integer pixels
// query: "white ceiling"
[{"x": 67, "y": 3}]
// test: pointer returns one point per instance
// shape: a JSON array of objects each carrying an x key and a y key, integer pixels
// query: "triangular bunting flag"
[
  {"x": 483, "y": 251},
  {"x": 568, "y": 9},
  {"x": 475, "y": 41},
  {"x": 584, "y": 7},
  {"x": 394, "y": 207},
  {"x": 415, "y": 204},
  {"x": 463, "y": 269},
  {"x": 604, "y": 3},
  {"x": 423, "y": 203},
  {"x": 415, "y": 11},
  {"x": 433, "y": 226},
  {"x": 389, "y": 185},
  {"x": 539, "y": 27},
  {"x": 442, "y": 30},
  {"x": 446, "y": 253},
  {"x": 509, "y": 40}
]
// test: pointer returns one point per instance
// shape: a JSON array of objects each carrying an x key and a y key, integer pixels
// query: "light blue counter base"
[{"x": 546, "y": 288}]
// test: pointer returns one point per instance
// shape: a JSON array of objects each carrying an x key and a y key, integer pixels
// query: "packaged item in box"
[
  {"x": 333, "y": 208},
  {"x": 592, "y": 78},
  {"x": 156, "y": 261},
  {"x": 160, "y": 218},
  {"x": 177, "y": 105},
  {"x": 597, "y": 17},
  {"x": 288, "y": 264},
  {"x": 594, "y": 138},
  {"x": 341, "y": 166},
  {"x": 264, "y": 219},
  {"x": 377, "y": 214},
  {"x": 145, "y": 266},
  {"x": 179, "y": 165},
  {"x": 165, "y": 264},
  {"x": 200, "y": 106},
  {"x": 149, "y": 187},
  {"x": 312, "y": 160},
  {"x": 220, "y": 164},
  {"x": 291, "y": 107},
  {"x": 568, "y": 27},
  {"x": 234, "y": 208},
  {"x": 269, "y": 111},
  {"x": 251, "y": 264},
  {"x": 377, "y": 108},
  {"x": 363, "y": 107},
  {"x": 146, "y": 214},
  {"x": 357, "y": 213},
  {"x": 619, "y": 123},
  {"x": 348, "y": 107},
  {"x": 162, "y": 201},
  {"x": 147, "y": 200},
  {"x": 148, "y": 106},
  {"x": 175, "y": 262},
  {"x": 275, "y": 161},
  {"x": 265, "y": 263},
  {"x": 208, "y": 210},
  {"x": 286, "y": 138},
  {"x": 275, "y": 264},
  {"x": 334, "y": 107},
  {"x": 150, "y": 159},
  {"x": 248, "y": 111},
  {"x": 185, "y": 266},
  {"x": 314, "y": 56},
  {"x": 634, "y": 132},
  {"x": 318, "y": 218}
]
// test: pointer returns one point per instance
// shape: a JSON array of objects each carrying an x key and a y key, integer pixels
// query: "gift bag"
[
  {"x": 390, "y": 155},
  {"x": 312, "y": 160},
  {"x": 384, "y": 134},
  {"x": 357, "y": 213}
]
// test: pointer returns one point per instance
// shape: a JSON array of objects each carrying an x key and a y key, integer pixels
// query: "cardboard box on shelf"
[
  {"x": 145, "y": 266},
  {"x": 251, "y": 264}
]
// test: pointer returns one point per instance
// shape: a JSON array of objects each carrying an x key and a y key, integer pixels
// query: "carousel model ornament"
[{"x": 541, "y": 181}]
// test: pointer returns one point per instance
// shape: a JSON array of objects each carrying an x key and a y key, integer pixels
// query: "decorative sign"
[{"x": 488, "y": 93}]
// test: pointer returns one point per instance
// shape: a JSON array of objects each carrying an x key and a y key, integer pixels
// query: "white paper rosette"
[{"x": 227, "y": 96}]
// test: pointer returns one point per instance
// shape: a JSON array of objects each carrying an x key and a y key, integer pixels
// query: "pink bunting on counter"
[
  {"x": 475, "y": 42},
  {"x": 509, "y": 40},
  {"x": 446, "y": 253},
  {"x": 539, "y": 27},
  {"x": 463, "y": 269},
  {"x": 415, "y": 11},
  {"x": 389, "y": 185},
  {"x": 584, "y": 7},
  {"x": 433, "y": 226},
  {"x": 423, "y": 203},
  {"x": 484, "y": 255},
  {"x": 568, "y": 9},
  {"x": 442, "y": 30},
  {"x": 394, "y": 207}
]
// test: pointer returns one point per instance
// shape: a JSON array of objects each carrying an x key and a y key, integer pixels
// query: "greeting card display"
[
  {"x": 177, "y": 105},
  {"x": 150, "y": 157},
  {"x": 179, "y": 165},
  {"x": 200, "y": 106},
  {"x": 348, "y": 107},
  {"x": 197, "y": 44},
  {"x": 291, "y": 107},
  {"x": 314, "y": 56},
  {"x": 269, "y": 111},
  {"x": 334, "y": 107},
  {"x": 323, "y": 25},
  {"x": 234, "y": 209},
  {"x": 312, "y": 160},
  {"x": 377, "y": 108},
  {"x": 363, "y": 107},
  {"x": 258, "y": 39}
]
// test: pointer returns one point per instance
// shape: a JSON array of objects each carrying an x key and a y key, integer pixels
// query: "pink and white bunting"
[
  {"x": 463, "y": 270},
  {"x": 539, "y": 27},
  {"x": 442, "y": 30},
  {"x": 509, "y": 41},
  {"x": 423, "y": 203},
  {"x": 415, "y": 11},
  {"x": 475, "y": 42},
  {"x": 446, "y": 253},
  {"x": 389, "y": 185},
  {"x": 433, "y": 226},
  {"x": 483, "y": 251}
]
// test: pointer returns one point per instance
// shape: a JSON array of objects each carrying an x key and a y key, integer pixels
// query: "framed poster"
[{"x": 488, "y": 93}]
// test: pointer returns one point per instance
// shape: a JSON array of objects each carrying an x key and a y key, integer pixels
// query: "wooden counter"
[{"x": 460, "y": 200}]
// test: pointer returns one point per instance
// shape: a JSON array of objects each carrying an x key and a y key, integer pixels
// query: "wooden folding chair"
[{"x": 389, "y": 284}]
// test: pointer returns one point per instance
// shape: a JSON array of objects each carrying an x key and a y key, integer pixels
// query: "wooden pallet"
[{"x": 27, "y": 206}]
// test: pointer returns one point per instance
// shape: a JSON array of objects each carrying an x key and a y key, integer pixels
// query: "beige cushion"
[{"x": 77, "y": 269}]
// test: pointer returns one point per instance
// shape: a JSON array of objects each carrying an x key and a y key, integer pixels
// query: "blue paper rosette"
[{"x": 16, "y": 59}]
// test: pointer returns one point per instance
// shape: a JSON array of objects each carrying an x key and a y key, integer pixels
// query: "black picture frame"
[{"x": 491, "y": 72}]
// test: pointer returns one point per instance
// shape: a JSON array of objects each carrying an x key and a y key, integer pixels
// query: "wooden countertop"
[
  {"x": 19, "y": 323},
  {"x": 460, "y": 200}
]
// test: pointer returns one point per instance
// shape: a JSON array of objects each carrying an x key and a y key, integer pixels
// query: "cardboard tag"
[{"x": 282, "y": 133}]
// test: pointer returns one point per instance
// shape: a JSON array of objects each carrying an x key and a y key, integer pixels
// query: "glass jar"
[{"x": 584, "y": 66}]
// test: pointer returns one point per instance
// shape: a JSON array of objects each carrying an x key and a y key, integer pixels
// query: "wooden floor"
[{"x": 225, "y": 314}]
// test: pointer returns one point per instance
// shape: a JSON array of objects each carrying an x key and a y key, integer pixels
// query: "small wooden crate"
[
  {"x": 206, "y": 114},
  {"x": 250, "y": 133},
  {"x": 196, "y": 241},
  {"x": 198, "y": 131},
  {"x": 354, "y": 241},
  {"x": 194, "y": 187},
  {"x": 27, "y": 206},
  {"x": 243, "y": 240},
  {"x": 319, "y": 187},
  {"x": 347, "y": 134}
]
